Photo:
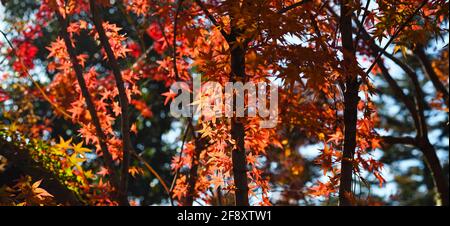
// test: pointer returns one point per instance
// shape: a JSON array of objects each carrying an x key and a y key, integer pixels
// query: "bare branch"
[
  {"x": 363, "y": 19},
  {"x": 399, "y": 140},
  {"x": 186, "y": 130},
  {"x": 398, "y": 92}
]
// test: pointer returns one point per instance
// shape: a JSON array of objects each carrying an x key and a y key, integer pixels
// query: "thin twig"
[
  {"x": 153, "y": 171},
  {"x": 366, "y": 12}
]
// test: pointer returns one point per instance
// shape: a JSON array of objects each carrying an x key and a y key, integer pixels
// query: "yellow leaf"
[
  {"x": 75, "y": 159},
  {"x": 135, "y": 170},
  {"x": 79, "y": 149},
  {"x": 64, "y": 145}
]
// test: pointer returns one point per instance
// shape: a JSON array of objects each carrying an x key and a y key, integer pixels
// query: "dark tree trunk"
[
  {"x": 350, "y": 105},
  {"x": 238, "y": 154}
]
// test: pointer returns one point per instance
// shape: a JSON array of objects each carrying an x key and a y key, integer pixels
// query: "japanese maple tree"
[{"x": 86, "y": 90}]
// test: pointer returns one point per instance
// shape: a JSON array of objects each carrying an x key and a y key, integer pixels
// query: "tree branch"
[
  {"x": 318, "y": 32},
  {"x": 293, "y": 6},
  {"x": 153, "y": 171},
  {"x": 87, "y": 96},
  {"x": 378, "y": 51},
  {"x": 130, "y": 21},
  {"x": 398, "y": 92},
  {"x": 363, "y": 19},
  {"x": 418, "y": 113},
  {"x": 399, "y": 140},
  {"x": 188, "y": 127},
  {"x": 212, "y": 19},
  {"x": 432, "y": 160},
  {"x": 429, "y": 71},
  {"x": 193, "y": 172}
]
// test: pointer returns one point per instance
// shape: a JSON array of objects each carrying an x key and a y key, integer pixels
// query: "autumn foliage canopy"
[{"x": 85, "y": 102}]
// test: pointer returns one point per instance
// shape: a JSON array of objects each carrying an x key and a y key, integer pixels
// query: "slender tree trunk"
[
  {"x": 350, "y": 105},
  {"x": 123, "y": 100}
]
